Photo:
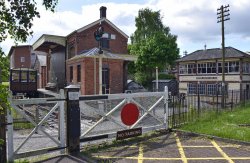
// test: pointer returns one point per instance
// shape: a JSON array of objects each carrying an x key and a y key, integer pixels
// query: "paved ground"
[
  {"x": 64, "y": 159},
  {"x": 176, "y": 148}
]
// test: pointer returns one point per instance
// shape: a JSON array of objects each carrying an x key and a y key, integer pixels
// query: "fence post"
[
  {"x": 62, "y": 134},
  {"x": 73, "y": 125},
  {"x": 10, "y": 147},
  {"x": 199, "y": 103},
  {"x": 173, "y": 117},
  {"x": 166, "y": 107},
  {"x": 244, "y": 97},
  {"x": 217, "y": 100},
  {"x": 232, "y": 100}
]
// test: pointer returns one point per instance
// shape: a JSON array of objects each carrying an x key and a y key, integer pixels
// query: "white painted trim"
[{"x": 98, "y": 22}]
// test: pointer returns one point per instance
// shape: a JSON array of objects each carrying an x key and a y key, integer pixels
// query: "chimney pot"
[{"x": 103, "y": 12}]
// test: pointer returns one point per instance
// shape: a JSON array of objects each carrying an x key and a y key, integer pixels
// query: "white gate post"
[
  {"x": 62, "y": 121},
  {"x": 10, "y": 148},
  {"x": 166, "y": 107}
]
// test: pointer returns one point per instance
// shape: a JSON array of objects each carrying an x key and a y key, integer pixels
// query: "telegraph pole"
[{"x": 222, "y": 16}]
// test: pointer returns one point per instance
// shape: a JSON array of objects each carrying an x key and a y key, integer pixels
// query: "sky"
[{"x": 193, "y": 21}]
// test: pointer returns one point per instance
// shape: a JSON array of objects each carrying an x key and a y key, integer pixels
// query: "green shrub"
[{"x": 166, "y": 76}]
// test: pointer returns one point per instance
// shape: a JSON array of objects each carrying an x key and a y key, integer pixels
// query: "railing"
[
  {"x": 42, "y": 137},
  {"x": 186, "y": 108}
]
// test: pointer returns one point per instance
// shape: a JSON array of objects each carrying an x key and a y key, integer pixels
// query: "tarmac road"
[{"x": 177, "y": 148}]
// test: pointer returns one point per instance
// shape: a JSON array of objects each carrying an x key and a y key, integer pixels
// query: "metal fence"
[{"x": 185, "y": 108}]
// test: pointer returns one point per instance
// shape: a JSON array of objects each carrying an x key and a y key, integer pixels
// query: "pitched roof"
[
  {"x": 215, "y": 53},
  {"x": 94, "y": 52},
  {"x": 49, "y": 40},
  {"x": 17, "y": 46},
  {"x": 98, "y": 22}
]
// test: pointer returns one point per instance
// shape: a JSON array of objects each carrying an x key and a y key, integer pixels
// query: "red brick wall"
[
  {"x": 22, "y": 51},
  {"x": 116, "y": 76},
  {"x": 85, "y": 40},
  {"x": 87, "y": 74}
]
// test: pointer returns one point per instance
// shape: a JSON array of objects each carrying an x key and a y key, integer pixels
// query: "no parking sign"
[{"x": 129, "y": 114}]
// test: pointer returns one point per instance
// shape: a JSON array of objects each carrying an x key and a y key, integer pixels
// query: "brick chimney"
[{"x": 103, "y": 12}]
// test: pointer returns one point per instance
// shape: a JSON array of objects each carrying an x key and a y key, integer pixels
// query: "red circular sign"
[{"x": 129, "y": 114}]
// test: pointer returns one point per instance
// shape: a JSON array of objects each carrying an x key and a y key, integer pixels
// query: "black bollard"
[{"x": 73, "y": 125}]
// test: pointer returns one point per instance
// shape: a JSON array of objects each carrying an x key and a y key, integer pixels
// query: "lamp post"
[
  {"x": 156, "y": 75},
  {"x": 198, "y": 91},
  {"x": 98, "y": 36}
]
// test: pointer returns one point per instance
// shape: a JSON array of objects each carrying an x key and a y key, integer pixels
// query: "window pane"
[
  {"x": 22, "y": 59},
  {"x": 32, "y": 76},
  {"x": 15, "y": 76},
  {"x": 202, "y": 89},
  {"x": 211, "y": 89},
  {"x": 24, "y": 76},
  {"x": 105, "y": 43},
  {"x": 192, "y": 88}
]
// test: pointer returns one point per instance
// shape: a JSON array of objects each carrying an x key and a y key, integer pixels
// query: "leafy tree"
[
  {"x": 16, "y": 18},
  {"x": 4, "y": 65},
  {"x": 154, "y": 45},
  {"x": 16, "y": 21}
]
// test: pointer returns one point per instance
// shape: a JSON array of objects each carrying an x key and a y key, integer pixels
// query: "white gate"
[
  {"x": 47, "y": 117},
  {"x": 100, "y": 114}
]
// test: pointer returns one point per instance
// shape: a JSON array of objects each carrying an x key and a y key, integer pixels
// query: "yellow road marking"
[
  {"x": 150, "y": 158},
  {"x": 210, "y": 146},
  {"x": 140, "y": 156},
  {"x": 240, "y": 158},
  {"x": 221, "y": 151},
  {"x": 180, "y": 148},
  {"x": 130, "y": 146}
]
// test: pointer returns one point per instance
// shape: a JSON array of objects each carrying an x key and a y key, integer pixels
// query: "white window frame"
[{"x": 22, "y": 59}]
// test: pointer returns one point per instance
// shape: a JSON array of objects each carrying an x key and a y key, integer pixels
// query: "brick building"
[
  {"x": 23, "y": 56},
  {"x": 20, "y": 56},
  {"x": 79, "y": 51}
]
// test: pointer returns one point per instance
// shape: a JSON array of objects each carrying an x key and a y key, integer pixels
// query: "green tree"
[
  {"x": 154, "y": 45},
  {"x": 16, "y": 17},
  {"x": 4, "y": 66}
]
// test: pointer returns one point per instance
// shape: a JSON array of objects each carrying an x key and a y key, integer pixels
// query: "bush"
[{"x": 166, "y": 76}]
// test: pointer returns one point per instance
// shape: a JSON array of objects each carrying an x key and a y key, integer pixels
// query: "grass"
[{"x": 227, "y": 124}]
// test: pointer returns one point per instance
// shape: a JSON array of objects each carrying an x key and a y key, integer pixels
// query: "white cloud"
[{"x": 193, "y": 21}]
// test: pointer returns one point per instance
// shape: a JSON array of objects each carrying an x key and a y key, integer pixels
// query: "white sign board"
[{"x": 73, "y": 95}]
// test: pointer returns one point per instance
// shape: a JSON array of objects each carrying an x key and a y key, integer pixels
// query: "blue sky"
[{"x": 193, "y": 21}]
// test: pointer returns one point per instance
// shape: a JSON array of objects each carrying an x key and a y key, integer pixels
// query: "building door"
[{"x": 105, "y": 81}]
